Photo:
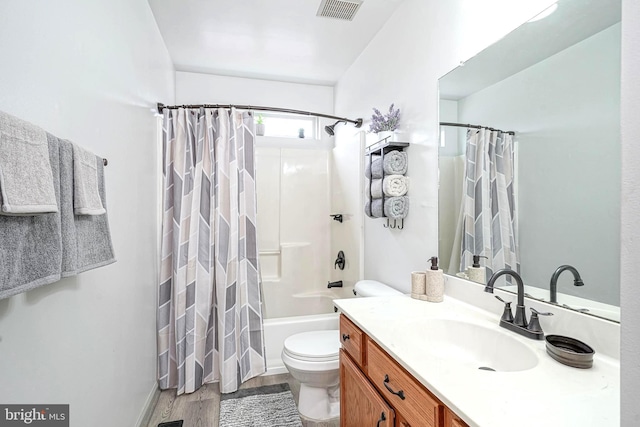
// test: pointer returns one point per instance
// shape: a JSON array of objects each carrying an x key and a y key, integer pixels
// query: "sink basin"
[{"x": 477, "y": 347}]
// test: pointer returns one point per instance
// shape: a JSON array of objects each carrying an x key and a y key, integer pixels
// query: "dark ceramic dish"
[{"x": 570, "y": 351}]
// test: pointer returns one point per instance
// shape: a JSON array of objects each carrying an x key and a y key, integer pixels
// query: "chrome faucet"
[
  {"x": 553, "y": 286},
  {"x": 518, "y": 324}
]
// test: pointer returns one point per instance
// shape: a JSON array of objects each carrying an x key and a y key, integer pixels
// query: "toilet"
[{"x": 313, "y": 359}]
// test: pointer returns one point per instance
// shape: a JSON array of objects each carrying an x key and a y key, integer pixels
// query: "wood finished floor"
[{"x": 202, "y": 408}]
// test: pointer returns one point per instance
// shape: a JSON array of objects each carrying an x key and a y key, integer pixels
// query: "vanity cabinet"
[
  {"x": 360, "y": 403},
  {"x": 371, "y": 380}
]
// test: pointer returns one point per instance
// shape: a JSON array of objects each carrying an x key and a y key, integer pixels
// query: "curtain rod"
[
  {"x": 462, "y": 125},
  {"x": 357, "y": 122}
]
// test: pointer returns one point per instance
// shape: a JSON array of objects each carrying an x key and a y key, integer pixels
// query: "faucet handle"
[
  {"x": 534, "y": 322},
  {"x": 507, "y": 316},
  {"x": 537, "y": 313}
]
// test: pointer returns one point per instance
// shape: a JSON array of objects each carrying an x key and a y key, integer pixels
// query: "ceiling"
[{"x": 267, "y": 39}]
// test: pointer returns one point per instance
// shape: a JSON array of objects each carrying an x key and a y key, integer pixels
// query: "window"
[{"x": 288, "y": 125}]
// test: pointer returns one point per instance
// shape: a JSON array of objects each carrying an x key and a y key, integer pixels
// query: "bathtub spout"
[{"x": 337, "y": 284}]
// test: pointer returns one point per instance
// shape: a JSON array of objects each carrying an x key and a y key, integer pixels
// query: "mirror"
[{"x": 554, "y": 82}]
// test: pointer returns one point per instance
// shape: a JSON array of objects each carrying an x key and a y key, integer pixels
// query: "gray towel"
[
  {"x": 395, "y": 163},
  {"x": 86, "y": 200},
  {"x": 31, "y": 246},
  {"x": 26, "y": 176},
  {"x": 86, "y": 241},
  {"x": 376, "y": 189},
  {"x": 373, "y": 210},
  {"x": 396, "y": 207},
  {"x": 38, "y": 250},
  {"x": 376, "y": 165}
]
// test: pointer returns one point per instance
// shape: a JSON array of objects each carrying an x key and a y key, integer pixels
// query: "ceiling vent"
[{"x": 339, "y": 9}]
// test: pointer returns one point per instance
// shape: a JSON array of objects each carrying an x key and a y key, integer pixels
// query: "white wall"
[
  {"x": 630, "y": 224},
  {"x": 434, "y": 37},
  {"x": 197, "y": 88},
  {"x": 89, "y": 72},
  {"x": 566, "y": 112},
  {"x": 421, "y": 42}
]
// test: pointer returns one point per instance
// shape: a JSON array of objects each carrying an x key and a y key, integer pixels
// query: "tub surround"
[{"x": 550, "y": 394}]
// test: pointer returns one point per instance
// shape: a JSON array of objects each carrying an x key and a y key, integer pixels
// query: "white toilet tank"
[{"x": 373, "y": 288}]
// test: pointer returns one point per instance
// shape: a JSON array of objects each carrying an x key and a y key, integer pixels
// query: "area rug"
[{"x": 266, "y": 406}]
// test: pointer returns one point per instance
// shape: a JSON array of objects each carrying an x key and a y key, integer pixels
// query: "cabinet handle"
[
  {"x": 382, "y": 419},
  {"x": 400, "y": 393},
  {"x": 345, "y": 337}
]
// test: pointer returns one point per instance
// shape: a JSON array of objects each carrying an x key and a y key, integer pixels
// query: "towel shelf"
[
  {"x": 384, "y": 146},
  {"x": 381, "y": 148}
]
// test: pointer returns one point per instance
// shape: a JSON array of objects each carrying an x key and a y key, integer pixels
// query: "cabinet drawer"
[
  {"x": 408, "y": 397},
  {"x": 351, "y": 338}
]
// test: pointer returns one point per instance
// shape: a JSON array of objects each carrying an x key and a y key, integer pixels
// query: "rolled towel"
[
  {"x": 396, "y": 207},
  {"x": 395, "y": 185},
  {"x": 376, "y": 165},
  {"x": 26, "y": 177},
  {"x": 395, "y": 163},
  {"x": 86, "y": 199},
  {"x": 376, "y": 189},
  {"x": 373, "y": 210}
]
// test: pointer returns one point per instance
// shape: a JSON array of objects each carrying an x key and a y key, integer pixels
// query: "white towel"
[
  {"x": 395, "y": 185},
  {"x": 26, "y": 178},
  {"x": 86, "y": 199}
]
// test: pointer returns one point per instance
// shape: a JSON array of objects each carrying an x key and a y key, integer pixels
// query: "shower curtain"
[
  {"x": 209, "y": 316},
  {"x": 489, "y": 220}
]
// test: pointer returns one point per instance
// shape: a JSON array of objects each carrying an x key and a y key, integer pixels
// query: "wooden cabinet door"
[
  {"x": 452, "y": 420},
  {"x": 360, "y": 403}
]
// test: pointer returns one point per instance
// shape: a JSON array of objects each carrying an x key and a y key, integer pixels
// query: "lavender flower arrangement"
[{"x": 384, "y": 122}]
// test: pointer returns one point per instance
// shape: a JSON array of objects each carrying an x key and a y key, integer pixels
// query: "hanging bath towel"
[
  {"x": 86, "y": 198},
  {"x": 26, "y": 177}
]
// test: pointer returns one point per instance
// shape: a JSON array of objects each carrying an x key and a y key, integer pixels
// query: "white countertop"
[{"x": 550, "y": 394}]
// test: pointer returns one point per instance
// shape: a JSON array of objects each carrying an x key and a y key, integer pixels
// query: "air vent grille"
[{"x": 339, "y": 9}]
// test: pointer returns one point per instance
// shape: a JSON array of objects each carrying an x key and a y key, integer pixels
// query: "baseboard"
[{"x": 149, "y": 405}]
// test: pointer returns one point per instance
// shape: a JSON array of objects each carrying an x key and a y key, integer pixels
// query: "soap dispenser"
[
  {"x": 477, "y": 273},
  {"x": 434, "y": 288}
]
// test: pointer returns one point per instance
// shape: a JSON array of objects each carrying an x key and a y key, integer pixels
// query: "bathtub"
[{"x": 276, "y": 330}]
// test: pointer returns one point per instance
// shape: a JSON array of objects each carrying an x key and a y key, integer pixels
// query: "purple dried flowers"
[{"x": 384, "y": 122}]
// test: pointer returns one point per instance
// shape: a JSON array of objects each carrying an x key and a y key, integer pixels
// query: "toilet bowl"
[{"x": 313, "y": 359}]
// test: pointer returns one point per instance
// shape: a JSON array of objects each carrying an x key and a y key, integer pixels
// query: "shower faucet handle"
[{"x": 340, "y": 261}]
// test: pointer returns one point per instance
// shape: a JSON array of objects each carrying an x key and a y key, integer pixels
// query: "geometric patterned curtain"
[
  {"x": 209, "y": 315},
  {"x": 489, "y": 212}
]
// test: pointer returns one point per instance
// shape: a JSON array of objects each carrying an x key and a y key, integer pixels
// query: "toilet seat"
[{"x": 313, "y": 346}]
